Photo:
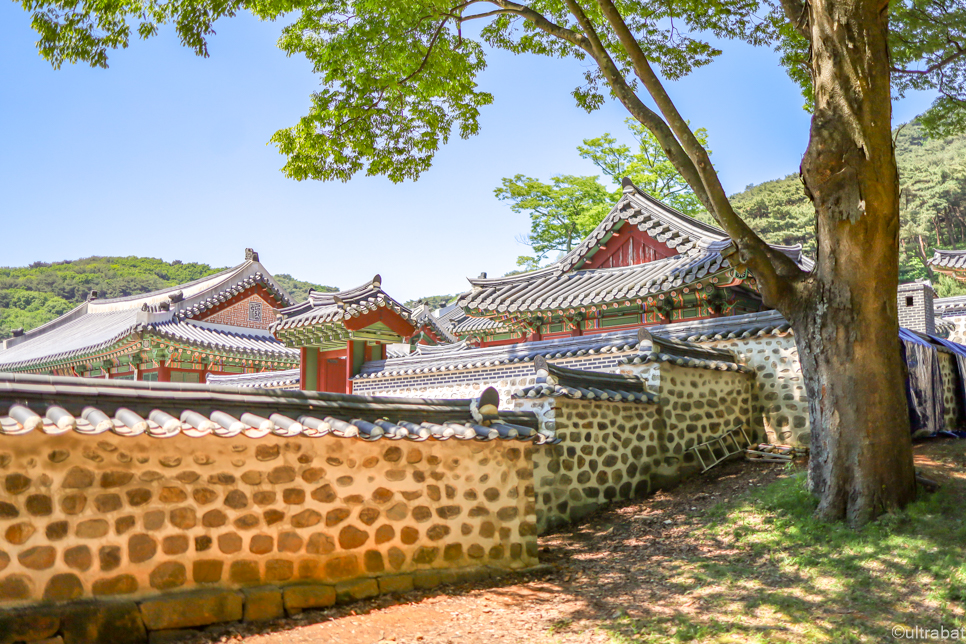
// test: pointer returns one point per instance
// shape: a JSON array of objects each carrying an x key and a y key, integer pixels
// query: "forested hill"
[
  {"x": 932, "y": 177},
  {"x": 38, "y": 293}
]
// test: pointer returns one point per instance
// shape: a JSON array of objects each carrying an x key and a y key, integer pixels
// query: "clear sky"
[{"x": 165, "y": 155}]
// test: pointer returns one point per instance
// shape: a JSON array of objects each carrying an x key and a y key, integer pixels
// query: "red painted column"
[{"x": 349, "y": 350}]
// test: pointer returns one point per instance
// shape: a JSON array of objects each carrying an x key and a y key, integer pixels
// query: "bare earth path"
[
  {"x": 621, "y": 569},
  {"x": 600, "y": 570}
]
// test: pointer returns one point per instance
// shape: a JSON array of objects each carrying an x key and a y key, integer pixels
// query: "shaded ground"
[{"x": 732, "y": 556}]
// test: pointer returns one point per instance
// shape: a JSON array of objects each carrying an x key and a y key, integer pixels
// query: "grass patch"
[{"x": 769, "y": 572}]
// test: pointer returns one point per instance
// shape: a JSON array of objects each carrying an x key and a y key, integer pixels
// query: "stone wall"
[
  {"x": 958, "y": 333},
  {"x": 609, "y": 451},
  {"x": 778, "y": 403},
  {"x": 951, "y": 389},
  {"x": 614, "y": 451},
  {"x": 778, "y": 399},
  {"x": 701, "y": 404},
  {"x": 130, "y": 517}
]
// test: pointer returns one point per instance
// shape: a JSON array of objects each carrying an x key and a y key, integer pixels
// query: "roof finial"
[
  {"x": 540, "y": 365},
  {"x": 627, "y": 185},
  {"x": 251, "y": 255},
  {"x": 482, "y": 276},
  {"x": 377, "y": 281},
  {"x": 643, "y": 335},
  {"x": 92, "y": 296}
]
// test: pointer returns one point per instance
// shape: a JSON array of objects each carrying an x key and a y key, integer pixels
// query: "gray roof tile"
[
  {"x": 287, "y": 378},
  {"x": 32, "y": 403},
  {"x": 553, "y": 381},
  {"x": 703, "y": 252},
  {"x": 953, "y": 259},
  {"x": 325, "y": 308},
  {"x": 660, "y": 348},
  {"x": 460, "y": 357},
  {"x": 254, "y": 342},
  {"x": 96, "y": 324},
  {"x": 77, "y": 336}
]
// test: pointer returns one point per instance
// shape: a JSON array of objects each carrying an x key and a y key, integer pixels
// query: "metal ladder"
[{"x": 726, "y": 443}]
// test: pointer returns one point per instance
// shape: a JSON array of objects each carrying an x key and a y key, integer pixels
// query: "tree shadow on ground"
[{"x": 761, "y": 568}]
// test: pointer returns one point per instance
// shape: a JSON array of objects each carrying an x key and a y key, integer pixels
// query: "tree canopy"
[
  {"x": 648, "y": 166},
  {"x": 400, "y": 78},
  {"x": 566, "y": 210},
  {"x": 561, "y": 213}
]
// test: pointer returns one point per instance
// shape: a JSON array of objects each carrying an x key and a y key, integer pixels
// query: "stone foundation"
[{"x": 122, "y": 621}]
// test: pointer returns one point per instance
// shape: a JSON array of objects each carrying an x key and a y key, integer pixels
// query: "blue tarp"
[{"x": 924, "y": 386}]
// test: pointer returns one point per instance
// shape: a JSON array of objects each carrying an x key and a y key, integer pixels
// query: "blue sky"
[{"x": 165, "y": 154}]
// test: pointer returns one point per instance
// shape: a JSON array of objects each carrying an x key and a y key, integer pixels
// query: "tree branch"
[
  {"x": 429, "y": 50},
  {"x": 592, "y": 45},
  {"x": 935, "y": 66},
  {"x": 797, "y": 13},
  {"x": 540, "y": 21},
  {"x": 774, "y": 270}
]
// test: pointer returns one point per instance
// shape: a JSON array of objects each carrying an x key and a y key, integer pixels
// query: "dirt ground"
[{"x": 601, "y": 571}]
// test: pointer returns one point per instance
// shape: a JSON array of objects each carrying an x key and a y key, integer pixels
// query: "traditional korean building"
[
  {"x": 949, "y": 262},
  {"x": 950, "y": 312},
  {"x": 337, "y": 332},
  {"x": 645, "y": 264},
  {"x": 217, "y": 324}
]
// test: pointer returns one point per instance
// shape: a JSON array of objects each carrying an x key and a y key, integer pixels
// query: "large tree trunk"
[{"x": 845, "y": 315}]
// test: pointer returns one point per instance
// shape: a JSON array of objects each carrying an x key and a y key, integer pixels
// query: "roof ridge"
[{"x": 175, "y": 288}]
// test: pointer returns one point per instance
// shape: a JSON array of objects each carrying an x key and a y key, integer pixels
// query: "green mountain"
[
  {"x": 432, "y": 301},
  {"x": 33, "y": 295},
  {"x": 932, "y": 178},
  {"x": 298, "y": 289}
]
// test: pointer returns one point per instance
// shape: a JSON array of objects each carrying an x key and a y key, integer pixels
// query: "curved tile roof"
[
  {"x": 89, "y": 406},
  {"x": 78, "y": 335},
  {"x": 424, "y": 316},
  {"x": 193, "y": 298},
  {"x": 661, "y": 222},
  {"x": 467, "y": 325},
  {"x": 547, "y": 289},
  {"x": 952, "y": 259},
  {"x": 702, "y": 251},
  {"x": 554, "y": 381},
  {"x": 448, "y": 358},
  {"x": 947, "y": 306},
  {"x": 251, "y": 341},
  {"x": 685, "y": 354},
  {"x": 98, "y": 323},
  {"x": 198, "y": 305},
  {"x": 261, "y": 380},
  {"x": 324, "y": 308}
]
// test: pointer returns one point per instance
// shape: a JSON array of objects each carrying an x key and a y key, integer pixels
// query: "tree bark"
[
  {"x": 845, "y": 317},
  {"x": 844, "y": 312}
]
